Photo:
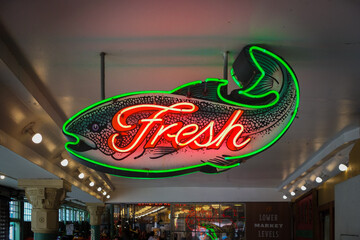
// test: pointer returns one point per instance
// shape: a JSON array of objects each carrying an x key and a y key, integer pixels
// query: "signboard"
[
  {"x": 268, "y": 221},
  {"x": 195, "y": 127},
  {"x": 304, "y": 220}
]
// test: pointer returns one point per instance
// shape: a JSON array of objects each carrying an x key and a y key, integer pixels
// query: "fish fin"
[
  {"x": 219, "y": 160},
  {"x": 163, "y": 151}
]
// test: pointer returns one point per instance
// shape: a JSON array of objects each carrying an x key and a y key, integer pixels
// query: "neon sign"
[{"x": 157, "y": 134}]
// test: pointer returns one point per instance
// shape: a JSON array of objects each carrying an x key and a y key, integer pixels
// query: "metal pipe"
[
  {"x": 102, "y": 55},
  {"x": 226, "y": 56}
]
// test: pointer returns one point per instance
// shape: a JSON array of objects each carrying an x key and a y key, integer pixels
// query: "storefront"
[{"x": 202, "y": 221}]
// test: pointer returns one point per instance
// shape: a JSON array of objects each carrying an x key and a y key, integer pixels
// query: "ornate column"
[
  {"x": 46, "y": 196},
  {"x": 95, "y": 210}
]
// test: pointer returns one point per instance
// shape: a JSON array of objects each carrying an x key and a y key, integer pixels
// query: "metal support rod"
[
  {"x": 226, "y": 54},
  {"x": 102, "y": 55}
]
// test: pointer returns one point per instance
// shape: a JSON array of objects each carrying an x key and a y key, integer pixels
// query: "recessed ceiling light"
[
  {"x": 292, "y": 193},
  {"x": 284, "y": 197},
  {"x": 91, "y": 184},
  {"x": 81, "y": 175},
  {"x": 104, "y": 193},
  {"x": 303, "y": 188},
  {"x": 64, "y": 162},
  {"x": 2, "y": 177},
  {"x": 108, "y": 196},
  {"x": 99, "y": 189}
]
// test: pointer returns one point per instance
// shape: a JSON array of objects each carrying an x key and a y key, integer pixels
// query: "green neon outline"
[
  {"x": 209, "y": 228},
  {"x": 233, "y": 76},
  {"x": 222, "y": 82}
]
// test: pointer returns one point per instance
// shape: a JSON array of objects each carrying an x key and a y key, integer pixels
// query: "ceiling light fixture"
[
  {"x": 303, "y": 187},
  {"x": 81, "y": 175},
  {"x": 35, "y": 137},
  {"x": 2, "y": 177},
  {"x": 108, "y": 196},
  {"x": 292, "y": 193},
  {"x": 343, "y": 167},
  {"x": 64, "y": 162},
  {"x": 91, "y": 184},
  {"x": 104, "y": 193},
  {"x": 318, "y": 179},
  {"x": 284, "y": 197},
  {"x": 99, "y": 189}
]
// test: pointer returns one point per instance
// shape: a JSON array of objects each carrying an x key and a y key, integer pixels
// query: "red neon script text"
[{"x": 178, "y": 134}]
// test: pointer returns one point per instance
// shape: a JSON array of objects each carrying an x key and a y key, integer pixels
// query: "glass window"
[
  {"x": 14, "y": 209},
  {"x": 202, "y": 221},
  {"x": 82, "y": 216},
  {"x": 27, "y": 212},
  {"x": 68, "y": 214},
  {"x": 61, "y": 214}
]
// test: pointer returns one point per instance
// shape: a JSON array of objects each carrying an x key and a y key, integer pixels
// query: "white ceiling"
[{"x": 159, "y": 45}]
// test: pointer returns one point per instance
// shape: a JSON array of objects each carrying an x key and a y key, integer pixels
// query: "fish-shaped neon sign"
[{"x": 195, "y": 127}]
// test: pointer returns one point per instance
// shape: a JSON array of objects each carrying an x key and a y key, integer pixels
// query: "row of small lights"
[
  {"x": 37, "y": 138},
  {"x": 158, "y": 209},
  {"x": 342, "y": 168}
]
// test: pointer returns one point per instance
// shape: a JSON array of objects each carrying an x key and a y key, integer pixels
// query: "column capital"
[
  {"x": 45, "y": 193},
  {"x": 95, "y": 210},
  {"x": 46, "y": 196}
]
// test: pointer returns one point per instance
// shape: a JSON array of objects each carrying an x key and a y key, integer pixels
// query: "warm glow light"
[
  {"x": 81, "y": 175},
  {"x": 284, "y": 197},
  {"x": 343, "y": 167},
  {"x": 37, "y": 138},
  {"x": 292, "y": 193},
  {"x": 303, "y": 188},
  {"x": 108, "y": 196},
  {"x": 91, "y": 184},
  {"x": 2, "y": 177},
  {"x": 64, "y": 162},
  {"x": 104, "y": 193},
  {"x": 318, "y": 180},
  {"x": 99, "y": 189}
]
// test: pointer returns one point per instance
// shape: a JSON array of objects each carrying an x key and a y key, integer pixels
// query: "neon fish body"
[{"x": 195, "y": 127}]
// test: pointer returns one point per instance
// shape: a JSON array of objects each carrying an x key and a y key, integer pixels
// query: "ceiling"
[{"x": 159, "y": 45}]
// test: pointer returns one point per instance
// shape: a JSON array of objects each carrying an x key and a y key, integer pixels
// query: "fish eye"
[{"x": 95, "y": 127}]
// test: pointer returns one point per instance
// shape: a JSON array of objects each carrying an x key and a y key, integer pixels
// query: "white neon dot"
[
  {"x": 37, "y": 138},
  {"x": 91, "y": 184},
  {"x": 284, "y": 197},
  {"x": 64, "y": 162},
  {"x": 108, "y": 196},
  {"x": 81, "y": 175},
  {"x": 2, "y": 177},
  {"x": 343, "y": 167},
  {"x": 303, "y": 188},
  {"x": 99, "y": 189},
  {"x": 104, "y": 193},
  {"x": 318, "y": 180},
  {"x": 292, "y": 193}
]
